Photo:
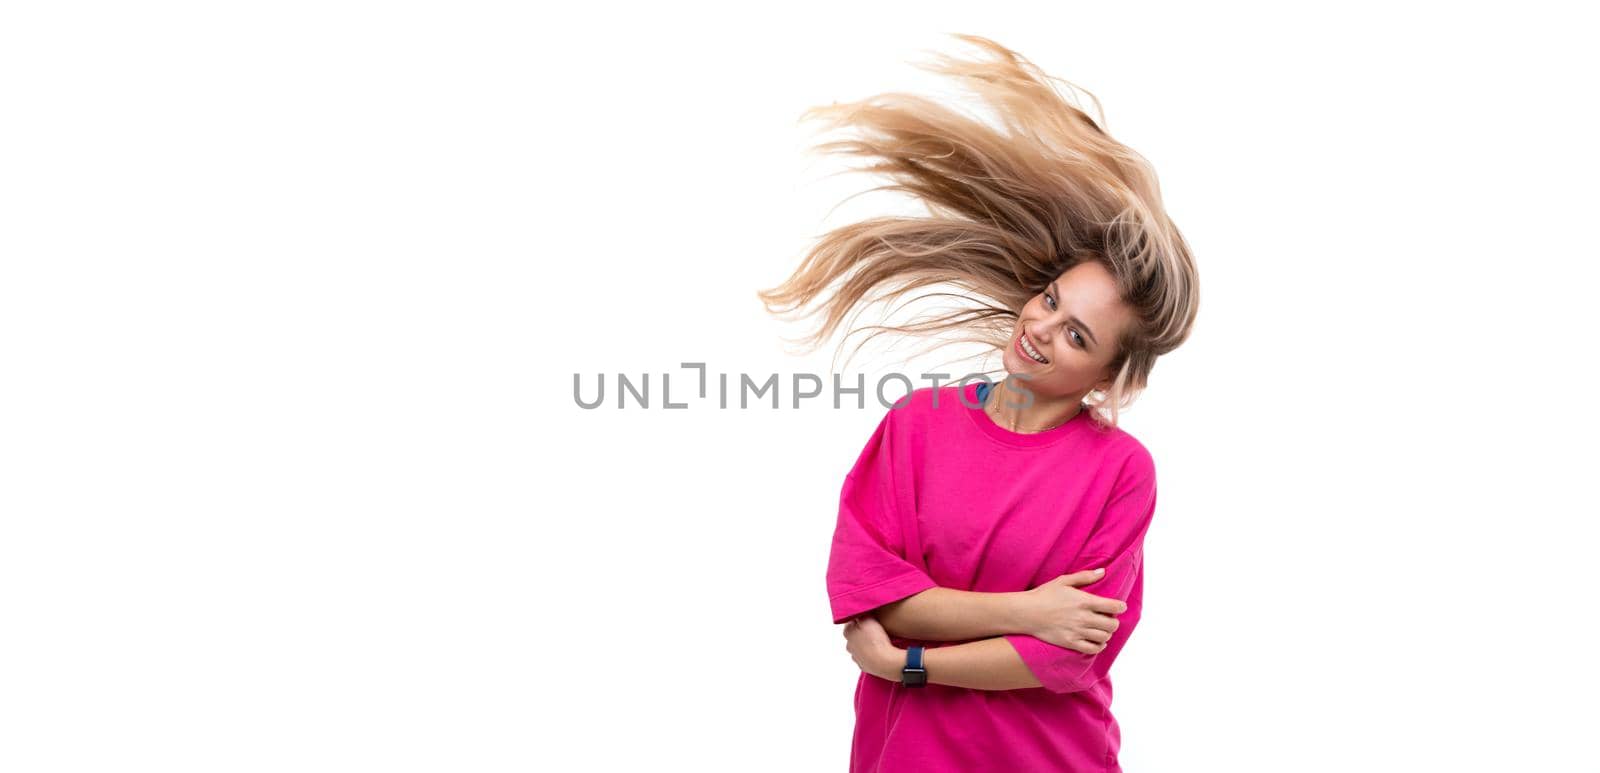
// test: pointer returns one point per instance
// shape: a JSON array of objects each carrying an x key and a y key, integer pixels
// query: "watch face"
[{"x": 913, "y": 677}]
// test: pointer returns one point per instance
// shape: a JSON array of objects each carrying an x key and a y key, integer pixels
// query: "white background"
[{"x": 293, "y": 295}]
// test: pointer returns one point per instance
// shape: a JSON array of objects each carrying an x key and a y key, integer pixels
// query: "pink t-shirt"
[{"x": 942, "y": 496}]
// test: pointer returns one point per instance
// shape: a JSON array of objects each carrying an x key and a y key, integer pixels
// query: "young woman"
[{"x": 988, "y": 556}]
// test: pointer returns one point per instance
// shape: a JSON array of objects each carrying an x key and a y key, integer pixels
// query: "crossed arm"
[{"x": 946, "y": 614}]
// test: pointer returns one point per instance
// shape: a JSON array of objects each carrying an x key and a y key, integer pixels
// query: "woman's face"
[{"x": 1074, "y": 326}]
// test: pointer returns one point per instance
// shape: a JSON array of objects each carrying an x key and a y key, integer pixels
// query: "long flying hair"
[{"x": 1010, "y": 208}]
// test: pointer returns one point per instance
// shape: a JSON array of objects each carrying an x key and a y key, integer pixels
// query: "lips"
[{"x": 1026, "y": 348}]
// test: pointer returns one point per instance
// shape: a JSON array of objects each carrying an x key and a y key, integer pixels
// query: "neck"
[{"x": 1006, "y": 406}]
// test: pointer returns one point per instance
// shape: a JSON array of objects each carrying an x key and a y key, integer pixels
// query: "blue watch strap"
[{"x": 914, "y": 675}]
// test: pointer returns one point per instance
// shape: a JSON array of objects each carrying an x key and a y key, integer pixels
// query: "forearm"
[
  {"x": 946, "y": 614},
  {"x": 987, "y": 664}
]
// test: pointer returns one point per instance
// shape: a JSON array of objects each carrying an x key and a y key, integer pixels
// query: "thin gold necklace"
[{"x": 996, "y": 419}]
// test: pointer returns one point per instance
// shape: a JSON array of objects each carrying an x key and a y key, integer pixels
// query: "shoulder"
[
  {"x": 910, "y": 408},
  {"x": 921, "y": 408},
  {"x": 1120, "y": 447},
  {"x": 925, "y": 400}
]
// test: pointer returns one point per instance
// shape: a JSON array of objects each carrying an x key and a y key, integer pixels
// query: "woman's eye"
[
  {"x": 1077, "y": 338},
  {"x": 1048, "y": 301}
]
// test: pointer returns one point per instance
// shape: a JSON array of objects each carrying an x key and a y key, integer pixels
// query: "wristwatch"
[{"x": 914, "y": 675}]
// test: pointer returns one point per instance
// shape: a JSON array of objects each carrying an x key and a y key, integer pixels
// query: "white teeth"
[{"x": 1032, "y": 352}]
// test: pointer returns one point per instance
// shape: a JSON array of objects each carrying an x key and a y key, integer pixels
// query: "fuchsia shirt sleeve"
[
  {"x": 1117, "y": 544},
  {"x": 867, "y": 566}
]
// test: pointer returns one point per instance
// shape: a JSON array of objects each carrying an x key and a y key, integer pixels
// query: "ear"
[{"x": 1107, "y": 377}]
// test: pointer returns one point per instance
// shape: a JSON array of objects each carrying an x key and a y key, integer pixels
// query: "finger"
[
  {"x": 1084, "y": 577},
  {"x": 1088, "y": 647},
  {"x": 1107, "y": 606},
  {"x": 1081, "y": 645},
  {"x": 1103, "y": 623}
]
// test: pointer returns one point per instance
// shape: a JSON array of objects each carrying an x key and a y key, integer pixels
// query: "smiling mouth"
[{"x": 1026, "y": 347}]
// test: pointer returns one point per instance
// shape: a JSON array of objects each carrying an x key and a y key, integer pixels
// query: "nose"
[{"x": 1038, "y": 331}]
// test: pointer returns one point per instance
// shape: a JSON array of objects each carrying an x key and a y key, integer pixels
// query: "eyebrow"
[{"x": 1075, "y": 320}]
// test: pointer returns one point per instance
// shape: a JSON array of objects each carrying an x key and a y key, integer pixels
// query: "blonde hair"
[{"x": 1010, "y": 208}]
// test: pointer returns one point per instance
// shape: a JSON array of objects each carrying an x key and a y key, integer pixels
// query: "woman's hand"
[
  {"x": 869, "y": 645},
  {"x": 1059, "y": 613}
]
